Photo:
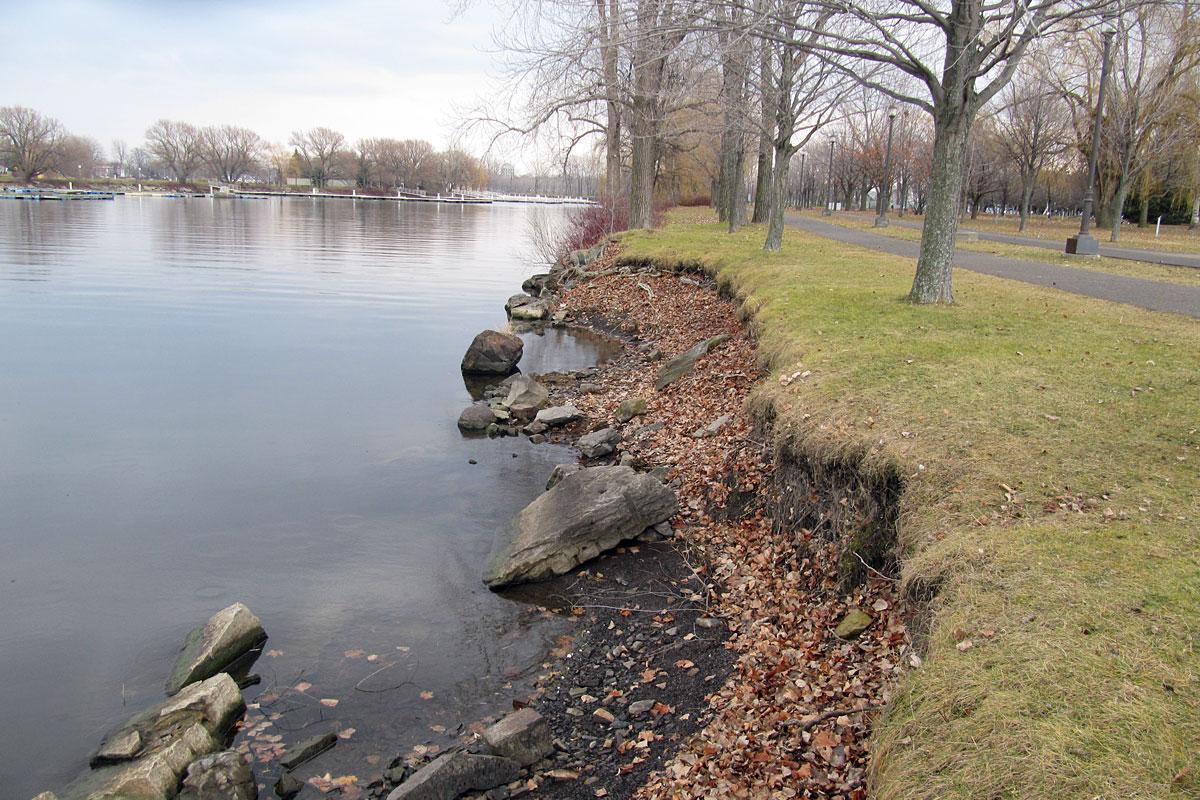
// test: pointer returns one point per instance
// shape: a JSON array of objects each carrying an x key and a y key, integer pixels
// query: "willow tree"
[{"x": 962, "y": 52}]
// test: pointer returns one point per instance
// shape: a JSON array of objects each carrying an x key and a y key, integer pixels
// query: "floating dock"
[{"x": 54, "y": 194}]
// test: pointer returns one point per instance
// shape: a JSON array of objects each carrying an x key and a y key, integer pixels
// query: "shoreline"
[{"x": 712, "y": 655}]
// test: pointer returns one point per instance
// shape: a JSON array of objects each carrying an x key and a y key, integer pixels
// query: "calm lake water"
[{"x": 206, "y": 401}]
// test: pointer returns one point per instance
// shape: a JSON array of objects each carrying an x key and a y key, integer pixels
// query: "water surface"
[{"x": 206, "y": 401}]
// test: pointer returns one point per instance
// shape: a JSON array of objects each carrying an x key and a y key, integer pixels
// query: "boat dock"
[{"x": 54, "y": 194}]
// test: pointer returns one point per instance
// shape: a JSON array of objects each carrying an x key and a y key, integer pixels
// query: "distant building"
[
  {"x": 299, "y": 182},
  {"x": 507, "y": 171}
]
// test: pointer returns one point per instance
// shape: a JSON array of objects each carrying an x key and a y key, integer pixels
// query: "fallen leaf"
[
  {"x": 426, "y": 695},
  {"x": 346, "y": 733},
  {"x": 354, "y": 654},
  {"x": 683, "y": 663},
  {"x": 329, "y": 702},
  {"x": 303, "y": 686}
]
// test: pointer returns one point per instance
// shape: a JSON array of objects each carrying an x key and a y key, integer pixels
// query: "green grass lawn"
[
  {"x": 1051, "y": 445},
  {"x": 1114, "y": 266}
]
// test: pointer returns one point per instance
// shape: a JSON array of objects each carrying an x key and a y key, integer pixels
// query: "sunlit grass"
[{"x": 997, "y": 410}]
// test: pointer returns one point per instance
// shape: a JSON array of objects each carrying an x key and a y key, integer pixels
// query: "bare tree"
[
  {"x": 29, "y": 140},
  {"x": 177, "y": 146},
  {"x": 807, "y": 91},
  {"x": 120, "y": 154},
  {"x": 231, "y": 152},
  {"x": 319, "y": 149},
  {"x": 1157, "y": 47},
  {"x": 963, "y": 52},
  {"x": 77, "y": 156},
  {"x": 1032, "y": 128}
]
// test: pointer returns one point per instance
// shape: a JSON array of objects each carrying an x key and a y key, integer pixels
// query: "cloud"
[{"x": 365, "y": 67}]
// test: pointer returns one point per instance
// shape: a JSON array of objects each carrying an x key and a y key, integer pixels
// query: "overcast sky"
[{"x": 109, "y": 68}]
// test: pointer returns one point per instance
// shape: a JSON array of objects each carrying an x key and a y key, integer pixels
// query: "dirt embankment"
[{"x": 707, "y": 665}]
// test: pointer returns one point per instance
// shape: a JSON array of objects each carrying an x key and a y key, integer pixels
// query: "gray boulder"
[
  {"x": 557, "y": 415},
  {"x": 455, "y": 773},
  {"x": 683, "y": 363},
  {"x": 530, "y": 312},
  {"x": 523, "y": 736},
  {"x": 516, "y": 301},
  {"x": 584, "y": 515},
  {"x": 493, "y": 353},
  {"x": 561, "y": 471},
  {"x": 599, "y": 443},
  {"x": 221, "y": 776},
  {"x": 525, "y": 396},
  {"x": 170, "y": 737},
  {"x": 476, "y": 417},
  {"x": 227, "y": 636}
]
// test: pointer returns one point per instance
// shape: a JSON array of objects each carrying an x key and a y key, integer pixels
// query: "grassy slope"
[
  {"x": 1114, "y": 266},
  {"x": 1089, "y": 682}
]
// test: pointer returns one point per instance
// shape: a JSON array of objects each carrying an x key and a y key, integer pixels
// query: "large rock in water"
[
  {"x": 493, "y": 353},
  {"x": 585, "y": 514},
  {"x": 683, "y": 363},
  {"x": 146, "y": 758},
  {"x": 210, "y": 648}
]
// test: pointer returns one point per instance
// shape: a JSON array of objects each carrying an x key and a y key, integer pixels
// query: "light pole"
[
  {"x": 829, "y": 181},
  {"x": 803, "y": 157},
  {"x": 885, "y": 191},
  {"x": 1083, "y": 243}
]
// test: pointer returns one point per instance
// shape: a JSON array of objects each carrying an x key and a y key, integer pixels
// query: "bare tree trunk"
[
  {"x": 1118, "y": 205},
  {"x": 1195, "y": 223},
  {"x": 612, "y": 133},
  {"x": 1144, "y": 209},
  {"x": 932, "y": 283},
  {"x": 778, "y": 187},
  {"x": 737, "y": 191},
  {"x": 645, "y": 167},
  {"x": 763, "y": 186},
  {"x": 1027, "y": 186}
]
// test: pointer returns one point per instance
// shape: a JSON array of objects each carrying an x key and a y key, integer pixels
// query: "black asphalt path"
[{"x": 1154, "y": 295}]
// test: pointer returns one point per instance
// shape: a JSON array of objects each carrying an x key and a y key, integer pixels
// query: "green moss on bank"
[{"x": 1050, "y": 447}]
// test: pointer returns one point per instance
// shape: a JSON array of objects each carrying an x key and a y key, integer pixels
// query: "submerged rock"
[
  {"x": 493, "y": 353},
  {"x": 307, "y": 750},
  {"x": 288, "y": 786},
  {"x": 455, "y": 773},
  {"x": 227, "y": 636},
  {"x": 523, "y": 736},
  {"x": 585, "y": 514},
  {"x": 683, "y": 363},
  {"x": 599, "y": 443},
  {"x": 221, "y": 776}
]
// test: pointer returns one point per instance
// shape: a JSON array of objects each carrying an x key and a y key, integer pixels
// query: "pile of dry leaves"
[{"x": 795, "y": 717}]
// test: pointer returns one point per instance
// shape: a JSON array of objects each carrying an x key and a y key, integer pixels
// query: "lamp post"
[
  {"x": 829, "y": 181},
  {"x": 1083, "y": 243},
  {"x": 885, "y": 191},
  {"x": 803, "y": 158}
]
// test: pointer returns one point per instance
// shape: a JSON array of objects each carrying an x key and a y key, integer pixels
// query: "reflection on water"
[{"x": 204, "y": 402}]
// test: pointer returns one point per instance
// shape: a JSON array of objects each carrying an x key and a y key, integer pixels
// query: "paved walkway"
[
  {"x": 1154, "y": 295},
  {"x": 1106, "y": 249}
]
